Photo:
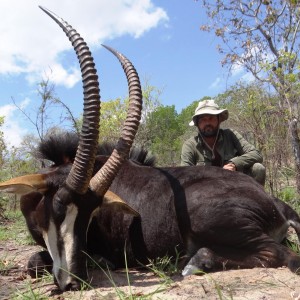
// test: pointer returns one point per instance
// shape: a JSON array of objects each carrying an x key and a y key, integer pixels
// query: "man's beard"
[{"x": 209, "y": 131}]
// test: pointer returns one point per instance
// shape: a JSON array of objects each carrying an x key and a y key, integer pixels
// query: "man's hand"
[{"x": 230, "y": 166}]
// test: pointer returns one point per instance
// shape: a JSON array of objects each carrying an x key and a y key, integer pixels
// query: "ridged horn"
[
  {"x": 81, "y": 172},
  {"x": 104, "y": 177}
]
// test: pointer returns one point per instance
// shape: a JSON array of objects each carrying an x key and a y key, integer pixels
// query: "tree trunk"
[{"x": 296, "y": 149}]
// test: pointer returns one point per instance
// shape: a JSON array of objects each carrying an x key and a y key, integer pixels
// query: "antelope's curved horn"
[
  {"x": 104, "y": 177},
  {"x": 81, "y": 172}
]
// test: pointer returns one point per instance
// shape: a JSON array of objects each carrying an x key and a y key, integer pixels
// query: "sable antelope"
[
  {"x": 219, "y": 219},
  {"x": 61, "y": 217}
]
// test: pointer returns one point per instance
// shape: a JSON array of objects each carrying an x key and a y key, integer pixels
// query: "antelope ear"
[
  {"x": 113, "y": 201},
  {"x": 24, "y": 184}
]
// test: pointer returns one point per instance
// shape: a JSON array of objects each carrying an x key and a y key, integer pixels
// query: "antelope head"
[{"x": 69, "y": 194}]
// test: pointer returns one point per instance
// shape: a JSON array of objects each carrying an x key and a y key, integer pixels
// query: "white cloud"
[
  {"x": 24, "y": 28},
  {"x": 57, "y": 75},
  {"x": 237, "y": 70},
  {"x": 216, "y": 84},
  {"x": 248, "y": 78},
  {"x": 12, "y": 128}
]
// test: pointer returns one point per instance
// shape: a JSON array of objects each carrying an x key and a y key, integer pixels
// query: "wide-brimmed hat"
[{"x": 209, "y": 107}]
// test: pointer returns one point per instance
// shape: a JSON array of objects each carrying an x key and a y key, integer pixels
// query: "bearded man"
[{"x": 223, "y": 148}]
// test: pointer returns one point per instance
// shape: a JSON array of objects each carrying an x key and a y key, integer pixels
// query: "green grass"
[
  {"x": 6, "y": 264},
  {"x": 165, "y": 267},
  {"x": 13, "y": 227},
  {"x": 34, "y": 291},
  {"x": 293, "y": 243},
  {"x": 130, "y": 295},
  {"x": 288, "y": 194}
]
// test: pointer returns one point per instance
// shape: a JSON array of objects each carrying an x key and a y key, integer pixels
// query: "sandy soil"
[{"x": 254, "y": 284}]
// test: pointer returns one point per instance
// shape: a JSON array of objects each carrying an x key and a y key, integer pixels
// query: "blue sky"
[{"x": 161, "y": 37}]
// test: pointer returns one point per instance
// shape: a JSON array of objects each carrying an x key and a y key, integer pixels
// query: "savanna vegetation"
[{"x": 253, "y": 112}]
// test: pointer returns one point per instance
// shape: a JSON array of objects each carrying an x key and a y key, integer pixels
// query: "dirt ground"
[{"x": 254, "y": 284}]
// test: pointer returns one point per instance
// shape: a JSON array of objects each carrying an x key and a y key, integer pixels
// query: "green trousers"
[{"x": 258, "y": 172}]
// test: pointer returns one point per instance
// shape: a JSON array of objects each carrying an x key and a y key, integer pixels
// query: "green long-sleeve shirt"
[{"x": 231, "y": 147}]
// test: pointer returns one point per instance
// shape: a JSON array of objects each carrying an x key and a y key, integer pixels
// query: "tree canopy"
[{"x": 262, "y": 37}]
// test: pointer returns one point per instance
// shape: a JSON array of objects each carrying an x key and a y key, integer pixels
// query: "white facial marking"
[{"x": 62, "y": 261}]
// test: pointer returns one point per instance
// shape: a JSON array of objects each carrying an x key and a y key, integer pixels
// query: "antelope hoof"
[
  {"x": 39, "y": 264},
  {"x": 201, "y": 262}
]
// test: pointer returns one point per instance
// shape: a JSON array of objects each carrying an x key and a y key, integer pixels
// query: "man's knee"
[{"x": 258, "y": 172}]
